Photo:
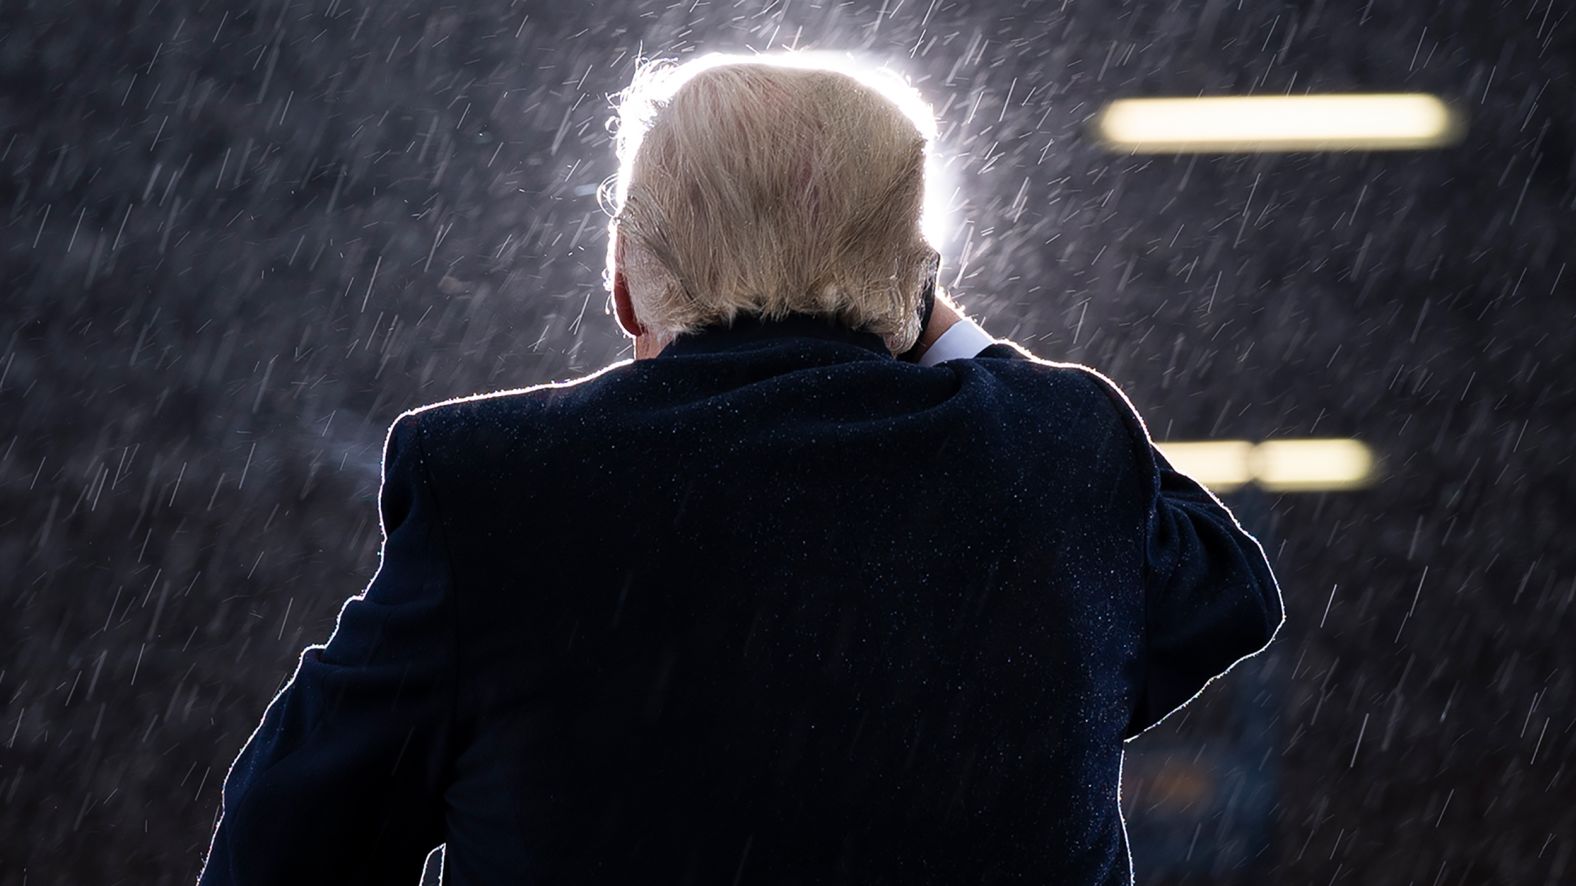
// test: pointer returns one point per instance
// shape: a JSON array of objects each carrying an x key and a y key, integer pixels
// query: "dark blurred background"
[{"x": 239, "y": 239}]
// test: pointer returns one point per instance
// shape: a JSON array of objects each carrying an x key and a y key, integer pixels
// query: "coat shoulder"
[
  {"x": 507, "y": 408},
  {"x": 1012, "y": 363},
  {"x": 464, "y": 433}
]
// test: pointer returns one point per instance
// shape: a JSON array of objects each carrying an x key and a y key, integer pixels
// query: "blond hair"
[{"x": 768, "y": 185}]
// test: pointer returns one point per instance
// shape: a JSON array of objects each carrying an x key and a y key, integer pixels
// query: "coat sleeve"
[
  {"x": 1210, "y": 596},
  {"x": 342, "y": 780}
]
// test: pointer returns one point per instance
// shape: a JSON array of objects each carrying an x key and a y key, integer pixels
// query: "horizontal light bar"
[
  {"x": 1264, "y": 123},
  {"x": 1218, "y": 464},
  {"x": 1313, "y": 464}
]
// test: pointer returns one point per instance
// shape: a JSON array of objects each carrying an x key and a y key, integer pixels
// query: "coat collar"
[{"x": 748, "y": 328}]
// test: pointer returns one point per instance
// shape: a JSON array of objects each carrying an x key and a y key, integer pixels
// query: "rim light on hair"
[{"x": 766, "y": 184}]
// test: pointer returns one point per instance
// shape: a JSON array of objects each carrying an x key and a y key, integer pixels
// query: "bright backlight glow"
[{"x": 1331, "y": 122}]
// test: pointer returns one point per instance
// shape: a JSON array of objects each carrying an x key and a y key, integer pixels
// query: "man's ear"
[{"x": 625, "y": 307}]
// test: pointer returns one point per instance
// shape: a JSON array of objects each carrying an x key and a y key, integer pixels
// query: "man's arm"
[
  {"x": 1211, "y": 597},
  {"x": 950, "y": 336},
  {"x": 342, "y": 780},
  {"x": 962, "y": 338}
]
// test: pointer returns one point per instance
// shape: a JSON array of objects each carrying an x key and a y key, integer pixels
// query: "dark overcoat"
[{"x": 774, "y": 607}]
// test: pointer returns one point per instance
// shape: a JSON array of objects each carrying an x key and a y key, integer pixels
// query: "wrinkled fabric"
[{"x": 773, "y": 607}]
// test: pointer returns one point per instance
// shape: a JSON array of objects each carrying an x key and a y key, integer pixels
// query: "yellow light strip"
[
  {"x": 1222, "y": 465},
  {"x": 1311, "y": 464},
  {"x": 1257, "y": 124}
]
